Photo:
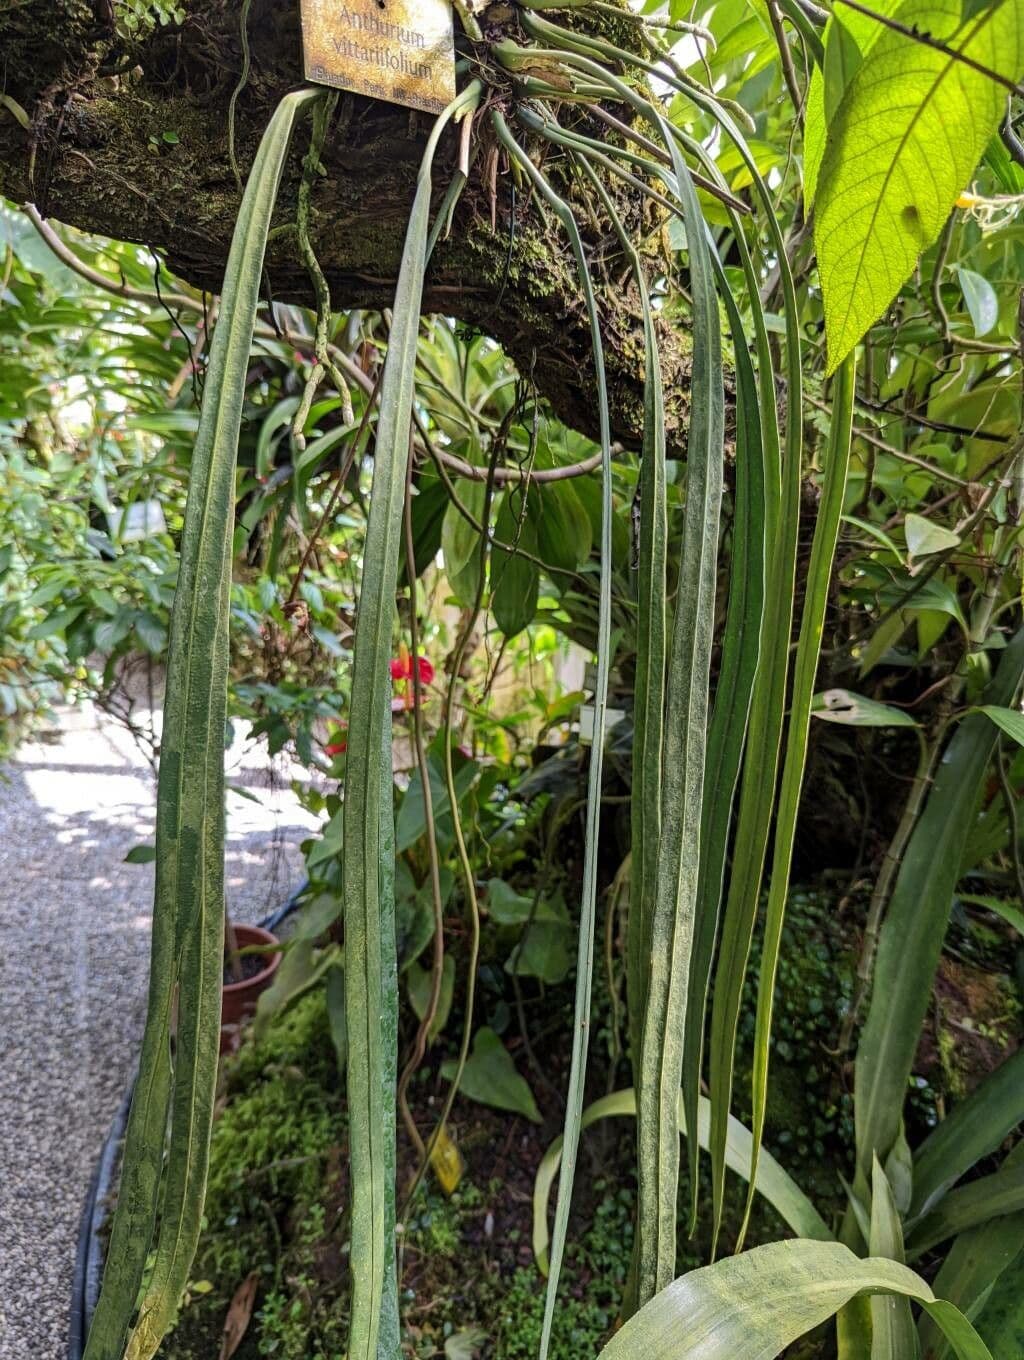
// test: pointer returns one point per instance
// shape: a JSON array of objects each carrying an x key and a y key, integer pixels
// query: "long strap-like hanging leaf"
[
  {"x": 588, "y": 903},
  {"x": 812, "y": 622},
  {"x": 782, "y": 500},
  {"x": 683, "y": 772},
  {"x": 756, "y": 453},
  {"x": 367, "y": 872},
  {"x": 188, "y": 911}
]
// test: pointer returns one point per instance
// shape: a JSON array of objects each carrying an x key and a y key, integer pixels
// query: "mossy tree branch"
[{"x": 128, "y": 137}]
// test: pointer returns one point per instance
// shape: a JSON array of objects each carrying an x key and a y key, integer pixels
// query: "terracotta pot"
[{"x": 238, "y": 999}]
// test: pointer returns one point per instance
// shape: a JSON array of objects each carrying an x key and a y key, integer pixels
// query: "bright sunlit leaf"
[{"x": 905, "y": 141}]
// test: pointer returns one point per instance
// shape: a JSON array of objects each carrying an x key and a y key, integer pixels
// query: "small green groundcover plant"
[{"x": 718, "y": 768}]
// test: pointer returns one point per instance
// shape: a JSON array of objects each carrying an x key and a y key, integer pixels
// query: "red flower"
[
  {"x": 338, "y": 744},
  {"x": 402, "y": 674},
  {"x": 401, "y": 668}
]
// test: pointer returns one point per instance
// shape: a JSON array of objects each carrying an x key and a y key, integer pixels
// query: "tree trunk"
[{"x": 128, "y": 137}]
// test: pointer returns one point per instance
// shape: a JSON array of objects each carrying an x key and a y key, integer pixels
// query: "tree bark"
[{"x": 128, "y": 138}]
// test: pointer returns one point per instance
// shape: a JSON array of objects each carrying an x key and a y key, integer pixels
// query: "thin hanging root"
[
  {"x": 437, "y": 957},
  {"x": 465, "y": 864},
  {"x": 323, "y": 364},
  {"x": 243, "y": 80},
  {"x": 588, "y": 904}
]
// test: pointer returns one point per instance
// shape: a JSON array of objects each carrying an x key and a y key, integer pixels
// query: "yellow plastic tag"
[
  {"x": 399, "y": 50},
  {"x": 446, "y": 1160}
]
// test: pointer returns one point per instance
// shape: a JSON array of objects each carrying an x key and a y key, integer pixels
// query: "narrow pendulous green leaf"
[
  {"x": 368, "y": 861},
  {"x": 188, "y": 910},
  {"x": 812, "y": 623},
  {"x": 741, "y": 647},
  {"x": 649, "y": 684},
  {"x": 857, "y": 710},
  {"x": 683, "y": 771},
  {"x": 588, "y": 902}
]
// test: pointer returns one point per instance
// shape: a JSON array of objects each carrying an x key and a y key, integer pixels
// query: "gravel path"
[{"x": 74, "y": 953}]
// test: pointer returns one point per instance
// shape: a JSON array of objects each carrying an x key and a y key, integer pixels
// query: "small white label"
[{"x": 612, "y": 716}]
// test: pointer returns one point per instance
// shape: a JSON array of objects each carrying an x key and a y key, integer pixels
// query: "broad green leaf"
[
  {"x": 910, "y": 941},
  {"x": 969, "y": 1273},
  {"x": 460, "y": 541},
  {"x": 815, "y": 136},
  {"x": 1009, "y": 720},
  {"x": 848, "y": 37},
  {"x": 905, "y": 141},
  {"x": 57, "y": 622},
  {"x": 925, "y": 538},
  {"x": 773, "y": 1181},
  {"x": 515, "y": 578},
  {"x": 755, "y": 1305},
  {"x": 563, "y": 528},
  {"x": 857, "y": 710},
  {"x": 141, "y": 854},
  {"x": 974, "y": 1129},
  {"x": 490, "y": 1077},
  {"x": 543, "y": 952},
  {"x": 412, "y": 818},
  {"x": 969, "y": 1205},
  {"x": 301, "y": 968},
  {"x": 980, "y": 299},
  {"x": 842, "y": 60},
  {"x": 505, "y": 905}
]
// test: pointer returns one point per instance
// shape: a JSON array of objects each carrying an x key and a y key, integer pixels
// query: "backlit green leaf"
[
  {"x": 1009, "y": 720},
  {"x": 856, "y": 710},
  {"x": 904, "y": 143},
  {"x": 980, "y": 299}
]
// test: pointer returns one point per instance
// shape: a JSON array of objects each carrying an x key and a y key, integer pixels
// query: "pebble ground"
[{"x": 74, "y": 956}]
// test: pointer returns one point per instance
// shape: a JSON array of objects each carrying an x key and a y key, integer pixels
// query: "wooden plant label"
[{"x": 399, "y": 50}]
